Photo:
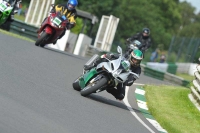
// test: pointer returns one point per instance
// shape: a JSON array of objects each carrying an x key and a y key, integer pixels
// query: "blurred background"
[{"x": 174, "y": 25}]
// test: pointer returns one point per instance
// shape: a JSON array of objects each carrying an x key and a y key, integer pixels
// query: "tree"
[
  {"x": 187, "y": 13},
  {"x": 190, "y": 22},
  {"x": 26, "y": 1},
  {"x": 162, "y": 17}
]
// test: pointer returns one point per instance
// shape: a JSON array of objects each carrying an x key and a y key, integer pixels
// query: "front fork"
[{"x": 95, "y": 79}]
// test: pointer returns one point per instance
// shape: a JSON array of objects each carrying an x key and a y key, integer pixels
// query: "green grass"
[
  {"x": 186, "y": 76},
  {"x": 16, "y": 35},
  {"x": 172, "y": 108},
  {"x": 19, "y": 17}
]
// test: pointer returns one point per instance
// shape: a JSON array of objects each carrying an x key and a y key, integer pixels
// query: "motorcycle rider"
[
  {"x": 143, "y": 37},
  {"x": 15, "y": 4},
  {"x": 69, "y": 10},
  {"x": 135, "y": 59}
]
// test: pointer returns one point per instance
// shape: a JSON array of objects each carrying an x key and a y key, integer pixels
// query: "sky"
[{"x": 194, "y": 3}]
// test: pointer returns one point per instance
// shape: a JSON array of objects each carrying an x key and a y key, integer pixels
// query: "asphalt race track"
[{"x": 36, "y": 95}]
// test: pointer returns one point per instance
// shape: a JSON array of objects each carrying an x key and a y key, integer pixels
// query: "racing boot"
[
  {"x": 54, "y": 42},
  {"x": 59, "y": 37},
  {"x": 115, "y": 93}
]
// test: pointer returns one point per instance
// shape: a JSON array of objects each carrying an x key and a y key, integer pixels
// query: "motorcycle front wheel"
[
  {"x": 40, "y": 41},
  {"x": 76, "y": 85},
  {"x": 91, "y": 88}
]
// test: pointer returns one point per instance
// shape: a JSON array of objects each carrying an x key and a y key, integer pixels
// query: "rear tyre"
[
  {"x": 40, "y": 41},
  {"x": 76, "y": 85},
  {"x": 91, "y": 88}
]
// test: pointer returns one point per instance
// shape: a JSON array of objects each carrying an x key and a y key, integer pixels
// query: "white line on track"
[
  {"x": 138, "y": 84},
  {"x": 125, "y": 100}
]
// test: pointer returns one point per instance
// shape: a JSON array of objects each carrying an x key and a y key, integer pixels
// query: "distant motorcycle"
[
  {"x": 6, "y": 7},
  {"x": 53, "y": 26},
  {"x": 105, "y": 75}
]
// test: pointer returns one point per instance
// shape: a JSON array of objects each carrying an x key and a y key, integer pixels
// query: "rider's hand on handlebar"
[
  {"x": 109, "y": 56},
  {"x": 106, "y": 56},
  {"x": 52, "y": 11},
  {"x": 103, "y": 56}
]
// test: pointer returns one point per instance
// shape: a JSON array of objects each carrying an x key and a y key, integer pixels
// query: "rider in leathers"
[
  {"x": 143, "y": 37},
  {"x": 69, "y": 11},
  {"x": 135, "y": 58}
]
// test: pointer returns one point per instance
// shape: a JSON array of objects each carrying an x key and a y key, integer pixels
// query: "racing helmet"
[
  {"x": 135, "y": 58},
  {"x": 71, "y": 4},
  {"x": 146, "y": 31}
]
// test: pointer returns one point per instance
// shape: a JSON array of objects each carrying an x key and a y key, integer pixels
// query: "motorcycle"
[
  {"x": 6, "y": 8},
  {"x": 104, "y": 75},
  {"x": 52, "y": 27}
]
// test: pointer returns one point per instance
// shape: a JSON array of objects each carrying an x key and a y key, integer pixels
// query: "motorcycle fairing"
[
  {"x": 48, "y": 30},
  {"x": 87, "y": 77},
  {"x": 5, "y": 10},
  {"x": 113, "y": 68}
]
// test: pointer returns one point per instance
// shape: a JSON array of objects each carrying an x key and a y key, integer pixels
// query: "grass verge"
[
  {"x": 186, "y": 76},
  {"x": 20, "y": 17},
  {"x": 172, "y": 108},
  {"x": 16, "y": 35}
]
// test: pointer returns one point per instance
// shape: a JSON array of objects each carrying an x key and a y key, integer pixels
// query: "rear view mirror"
[{"x": 119, "y": 49}]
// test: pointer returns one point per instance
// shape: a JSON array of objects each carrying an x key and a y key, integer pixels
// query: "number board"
[
  {"x": 57, "y": 21},
  {"x": 2, "y": 6},
  {"x": 126, "y": 65}
]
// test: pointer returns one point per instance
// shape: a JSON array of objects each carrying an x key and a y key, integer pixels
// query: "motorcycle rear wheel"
[
  {"x": 40, "y": 41},
  {"x": 91, "y": 88}
]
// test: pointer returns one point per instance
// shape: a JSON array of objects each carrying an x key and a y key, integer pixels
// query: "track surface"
[{"x": 36, "y": 95}]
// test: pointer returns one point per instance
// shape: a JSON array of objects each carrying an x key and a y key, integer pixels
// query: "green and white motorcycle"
[
  {"x": 6, "y": 8},
  {"x": 104, "y": 75}
]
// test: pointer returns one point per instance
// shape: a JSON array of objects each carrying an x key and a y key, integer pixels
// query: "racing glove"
[
  {"x": 128, "y": 40},
  {"x": 130, "y": 80}
]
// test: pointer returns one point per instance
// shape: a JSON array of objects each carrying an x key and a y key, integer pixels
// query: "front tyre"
[
  {"x": 76, "y": 85},
  {"x": 91, "y": 88},
  {"x": 40, "y": 41}
]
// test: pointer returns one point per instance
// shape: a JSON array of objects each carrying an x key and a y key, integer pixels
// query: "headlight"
[{"x": 118, "y": 71}]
